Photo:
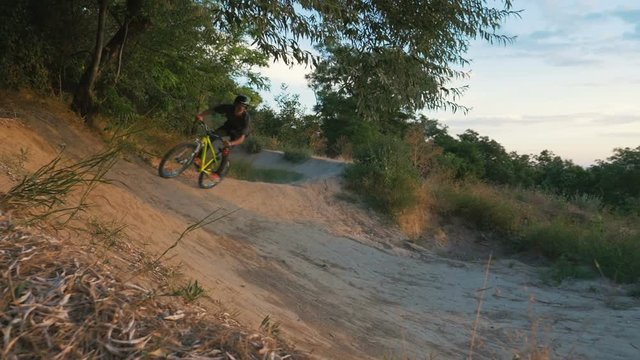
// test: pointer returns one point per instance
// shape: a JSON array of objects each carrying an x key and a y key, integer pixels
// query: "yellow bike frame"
[{"x": 206, "y": 166}]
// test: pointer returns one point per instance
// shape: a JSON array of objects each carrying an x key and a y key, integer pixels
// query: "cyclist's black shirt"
[{"x": 235, "y": 126}]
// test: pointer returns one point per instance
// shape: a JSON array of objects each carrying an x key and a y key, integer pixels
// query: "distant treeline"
[{"x": 615, "y": 181}]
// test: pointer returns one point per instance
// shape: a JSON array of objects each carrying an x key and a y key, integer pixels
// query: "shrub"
[
  {"x": 612, "y": 252},
  {"x": 587, "y": 202},
  {"x": 483, "y": 206},
  {"x": 297, "y": 154},
  {"x": 383, "y": 173},
  {"x": 254, "y": 144}
]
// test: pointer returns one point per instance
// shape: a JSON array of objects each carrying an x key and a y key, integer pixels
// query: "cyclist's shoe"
[{"x": 215, "y": 177}]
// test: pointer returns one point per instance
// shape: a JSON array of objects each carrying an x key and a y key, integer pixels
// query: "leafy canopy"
[{"x": 399, "y": 56}]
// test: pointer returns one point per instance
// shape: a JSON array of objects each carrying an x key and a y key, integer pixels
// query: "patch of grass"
[
  {"x": 566, "y": 268},
  {"x": 109, "y": 234},
  {"x": 190, "y": 291},
  {"x": 600, "y": 246},
  {"x": 270, "y": 327},
  {"x": 579, "y": 237},
  {"x": 243, "y": 170},
  {"x": 482, "y": 206},
  {"x": 587, "y": 202},
  {"x": 297, "y": 154},
  {"x": 44, "y": 193}
]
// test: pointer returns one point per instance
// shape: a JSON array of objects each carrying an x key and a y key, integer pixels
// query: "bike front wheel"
[{"x": 177, "y": 160}]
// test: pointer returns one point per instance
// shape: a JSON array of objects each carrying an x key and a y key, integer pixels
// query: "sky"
[{"x": 570, "y": 82}]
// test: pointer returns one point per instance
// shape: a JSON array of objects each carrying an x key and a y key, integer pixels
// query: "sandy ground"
[{"x": 340, "y": 280}]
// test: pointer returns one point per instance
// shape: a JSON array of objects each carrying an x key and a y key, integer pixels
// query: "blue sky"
[{"x": 570, "y": 83}]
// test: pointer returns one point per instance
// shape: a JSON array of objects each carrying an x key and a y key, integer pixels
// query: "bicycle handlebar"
[{"x": 208, "y": 130}]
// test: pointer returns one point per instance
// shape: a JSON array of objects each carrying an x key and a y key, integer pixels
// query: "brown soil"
[{"x": 341, "y": 281}]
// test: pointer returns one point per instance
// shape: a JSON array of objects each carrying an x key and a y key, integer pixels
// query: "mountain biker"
[{"x": 236, "y": 127}]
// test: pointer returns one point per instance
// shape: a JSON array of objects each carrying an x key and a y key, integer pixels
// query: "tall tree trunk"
[
  {"x": 83, "y": 101},
  {"x": 134, "y": 24}
]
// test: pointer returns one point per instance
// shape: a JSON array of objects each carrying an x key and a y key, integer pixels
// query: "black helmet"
[{"x": 242, "y": 99}]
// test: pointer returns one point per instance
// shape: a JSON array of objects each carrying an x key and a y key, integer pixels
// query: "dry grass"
[
  {"x": 68, "y": 307},
  {"x": 415, "y": 220},
  {"x": 44, "y": 193},
  {"x": 574, "y": 235}
]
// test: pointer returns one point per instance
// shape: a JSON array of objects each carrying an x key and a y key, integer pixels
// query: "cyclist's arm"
[
  {"x": 203, "y": 114},
  {"x": 237, "y": 141}
]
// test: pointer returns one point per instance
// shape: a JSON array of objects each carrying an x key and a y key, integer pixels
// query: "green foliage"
[
  {"x": 614, "y": 182},
  {"x": 394, "y": 58},
  {"x": 483, "y": 207},
  {"x": 297, "y": 154},
  {"x": 266, "y": 122},
  {"x": 254, "y": 144},
  {"x": 564, "y": 268},
  {"x": 177, "y": 65},
  {"x": 167, "y": 59},
  {"x": 617, "y": 179},
  {"x": 289, "y": 125},
  {"x": 587, "y": 202},
  {"x": 611, "y": 251},
  {"x": 35, "y": 46},
  {"x": 582, "y": 240},
  {"x": 382, "y": 172},
  {"x": 190, "y": 291},
  {"x": 119, "y": 108}
]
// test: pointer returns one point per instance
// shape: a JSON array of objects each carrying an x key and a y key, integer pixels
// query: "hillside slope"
[{"x": 339, "y": 279}]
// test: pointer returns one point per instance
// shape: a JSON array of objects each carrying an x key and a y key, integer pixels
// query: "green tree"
[
  {"x": 559, "y": 175},
  {"x": 399, "y": 56},
  {"x": 425, "y": 39},
  {"x": 290, "y": 124},
  {"x": 617, "y": 180}
]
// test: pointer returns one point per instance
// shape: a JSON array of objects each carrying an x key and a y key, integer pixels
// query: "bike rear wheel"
[
  {"x": 206, "y": 181},
  {"x": 177, "y": 160}
]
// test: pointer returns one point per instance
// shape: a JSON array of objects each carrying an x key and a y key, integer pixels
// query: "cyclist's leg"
[{"x": 224, "y": 162}]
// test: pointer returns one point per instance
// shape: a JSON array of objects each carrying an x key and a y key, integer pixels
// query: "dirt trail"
[{"x": 338, "y": 279}]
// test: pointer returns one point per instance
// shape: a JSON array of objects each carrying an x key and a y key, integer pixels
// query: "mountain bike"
[{"x": 205, "y": 153}]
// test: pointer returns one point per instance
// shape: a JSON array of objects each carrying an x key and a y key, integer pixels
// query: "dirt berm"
[{"x": 340, "y": 280}]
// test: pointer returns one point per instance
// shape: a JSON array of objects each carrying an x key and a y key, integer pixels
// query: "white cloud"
[
  {"x": 278, "y": 72},
  {"x": 293, "y": 77}
]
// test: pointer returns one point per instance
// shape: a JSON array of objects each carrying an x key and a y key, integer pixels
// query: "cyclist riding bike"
[{"x": 236, "y": 127}]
